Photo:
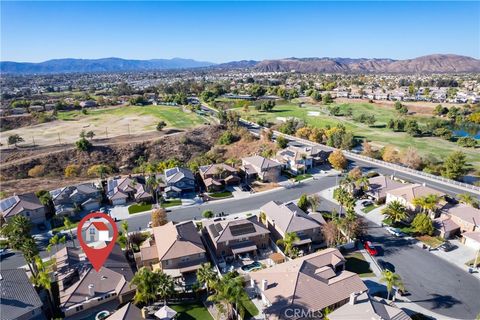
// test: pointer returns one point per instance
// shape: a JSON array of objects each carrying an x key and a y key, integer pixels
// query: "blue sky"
[{"x": 226, "y": 31}]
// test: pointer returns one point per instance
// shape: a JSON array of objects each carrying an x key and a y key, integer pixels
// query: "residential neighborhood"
[{"x": 276, "y": 160}]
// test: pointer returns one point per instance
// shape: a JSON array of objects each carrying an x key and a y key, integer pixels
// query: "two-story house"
[
  {"x": 68, "y": 200},
  {"x": 408, "y": 192},
  {"x": 230, "y": 238},
  {"x": 258, "y": 167},
  {"x": 176, "y": 249},
  {"x": 216, "y": 176},
  {"x": 178, "y": 181},
  {"x": 282, "y": 218},
  {"x": 298, "y": 160},
  {"x": 26, "y": 205},
  {"x": 123, "y": 190}
]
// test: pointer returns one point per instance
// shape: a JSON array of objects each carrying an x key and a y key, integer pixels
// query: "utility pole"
[{"x": 58, "y": 134}]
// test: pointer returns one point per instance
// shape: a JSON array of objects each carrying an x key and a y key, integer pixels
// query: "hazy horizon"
[{"x": 230, "y": 31}]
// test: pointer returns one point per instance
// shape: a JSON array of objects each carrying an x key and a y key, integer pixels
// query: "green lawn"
[
  {"x": 356, "y": 263},
  {"x": 470, "y": 263},
  {"x": 63, "y": 228},
  {"x": 251, "y": 309},
  {"x": 192, "y": 311},
  {"x": 318, "y": 116},
  {"x": 223, "y": 194},
  {"x": 369, "y": 208},
  {"x": 174, "y": 116},
  {"x": 301, "y": 177},
  {"x": 138, "y": 207},
  {"x": 171, "y": 203}
]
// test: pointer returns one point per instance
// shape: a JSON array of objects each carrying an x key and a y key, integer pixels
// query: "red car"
[{"x": 370, "y": 248}]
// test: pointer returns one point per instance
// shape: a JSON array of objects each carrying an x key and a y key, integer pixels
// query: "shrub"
[
  {"x": 161, "y": 125},
  {"x": 208, "y": 214},
  {"x": 422, "y": 224},
  {"x": 281, "y": 142},
  {"x": 467, "y": 142},
  {"x": 226, "y": 138},
  {"x": 37, "y": 171},
  {"x": 83, "y": 144},
  {"x": 72, "y": 170}
]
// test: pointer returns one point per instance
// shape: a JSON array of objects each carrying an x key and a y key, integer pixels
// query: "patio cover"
[
  {"x": 174, "y": 273},
  {"x": 165, "y": 313},
  {"x": 250, "y": 246},
  {"x": 277, "y": 257},
  {"x": 302, "y": 241}
]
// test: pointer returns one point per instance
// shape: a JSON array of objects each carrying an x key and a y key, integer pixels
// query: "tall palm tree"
[
  {"x": 362, "y": 183},
  {"x": 29, "y": 250},
  {"x": 69, "y": 225},
  {"x": 314, "y": 202},
  {"x": 207, "y": 276},
  {"x": 395, "y": 211},
  {"x": 391, "y": 279},
  {"x": 166, "y": 286},
  {"x": 43, "y": 279},
  {"x": 427, "y": 203},
  {"x": 152, "y": 185},
  {"x": 147, "y": 283},
  {"x": 125, "y": 232},
  {"x": 228, "y": 295},
  {"x": 288, "y": 241}
]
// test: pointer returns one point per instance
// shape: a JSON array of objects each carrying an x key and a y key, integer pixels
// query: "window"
[
  {"x": 27, "y": 214},
  {"x": 79, "y": 308},
  {"x": 92, "y": 230}
]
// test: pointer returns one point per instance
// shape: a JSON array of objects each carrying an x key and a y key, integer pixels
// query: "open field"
[
  {"x": 318, "y": 116},
  {"x": 113, "y": 122}
]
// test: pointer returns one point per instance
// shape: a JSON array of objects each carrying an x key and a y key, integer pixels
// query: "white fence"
[{"x": 389, "y": 165}]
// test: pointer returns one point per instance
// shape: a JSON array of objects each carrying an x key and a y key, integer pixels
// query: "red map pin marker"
[{"x": 98, "y": 256}]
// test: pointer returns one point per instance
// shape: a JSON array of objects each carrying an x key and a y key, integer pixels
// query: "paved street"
[{"x": 432, "y": 282}]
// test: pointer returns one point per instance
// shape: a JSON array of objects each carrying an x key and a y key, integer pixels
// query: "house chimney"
[
  {"x": 264, "y": 285},
  {"x": 252, "y": 283},
  {"x": 353, "y": 298},
  {"x": 91, "y": 290},
  {"x": 144, "y": 312}
]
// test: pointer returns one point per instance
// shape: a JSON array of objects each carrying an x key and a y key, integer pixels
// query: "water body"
[{"x": 472, "y": 131}]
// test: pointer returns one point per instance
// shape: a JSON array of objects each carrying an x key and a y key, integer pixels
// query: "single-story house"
[{"x": 405, "y": 195}]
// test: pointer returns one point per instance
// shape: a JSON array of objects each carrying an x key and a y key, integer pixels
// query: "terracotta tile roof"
[{"x": 380, "y": 185}]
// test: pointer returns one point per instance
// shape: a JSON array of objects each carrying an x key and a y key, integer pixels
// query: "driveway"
[{"x": 432, "y": 282}]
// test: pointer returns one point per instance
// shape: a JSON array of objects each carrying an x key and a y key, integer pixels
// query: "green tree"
[
  {"x": 207, "y": 276},
  {"x": 14, "y": 139},
  {"x": 454, "y": 166},
  {"x": 467, "y": 198},
  {"x": 162, "y": 124},
  {"x": 395, "y": 211},
  {"x": 303, "y": 202},
  {"x": 228, "y": 295},
  {"x": 428, "y": 203},
  {"x": 288, "y": 242},
  {"x": 208, "y": 214},
  {"x": 124, "y": 226},
  {"x": 282, "y": 142},
  {"x": 147, "y": 284},
  {"x": 391, "y": 280},
  {"x": 69, "y": 225},
  {"x": 166, "y": 286},
  {"x": 90, "y": 134},
  {"x": 314, "y": 202},
  {"x": 83, "y": 144},
  {"x": 226, "y": 138},
  {"x": 42, "y": 279},
  {"x": 422, "y": 224}
]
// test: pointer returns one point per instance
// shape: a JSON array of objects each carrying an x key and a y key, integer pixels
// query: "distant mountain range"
[
  {"x": 99, "y": 65},
  {"x": 436, "y": 63}
]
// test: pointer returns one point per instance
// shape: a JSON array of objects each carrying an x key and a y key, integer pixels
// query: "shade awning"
[
  {"x": 174, "y": 273},
  {"x": 302, "y": 242},
  {"x": 190, "y": 268},
  {"x": 165, "y": 313},
  {"x": 243, "y": 249}
]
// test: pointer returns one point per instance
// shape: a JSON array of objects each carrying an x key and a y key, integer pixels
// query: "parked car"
[
  {"x": 447, "y": 246},
  {"x": 370, "y": 248},
  {"x": 396, "y": 232}
]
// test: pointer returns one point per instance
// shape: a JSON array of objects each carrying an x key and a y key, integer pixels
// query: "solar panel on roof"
[
  {"x": 213, "y": 231},
  {"x": 241, "y": 229},
  {"x": 171, "y": 172},
  {"x": 7, "y": 203}
]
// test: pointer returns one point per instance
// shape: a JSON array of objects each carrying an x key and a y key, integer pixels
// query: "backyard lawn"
[
  {"x": 192, "y": 311},
  {"x": 138, "y": 207},
  {"x": 356, "y": 263},
  {"x": 318, "y": 116},
  {"x": 251, "y": 309}
]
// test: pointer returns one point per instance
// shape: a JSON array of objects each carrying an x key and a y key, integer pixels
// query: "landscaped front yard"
[
  {"x": 191, "y": 311},
  {"x": 369, "y": 208},
  {"x": 138, "y": 207},
  {"x": 357, "y": 263},
  {"x": 171, "y": 203},
  {"x": 220, "y": 195}
]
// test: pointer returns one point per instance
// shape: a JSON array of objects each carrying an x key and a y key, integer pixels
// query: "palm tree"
[
  {"x": 228, "y": 294},
  {"x": 166, "y": 286},
  {"x": 391, "y": 279},
  {"x": 288, "y": 241},
  {"x": 69, "y": 225},
  {"x": 207, "y": 276},
  {"x": 304, "y": 160},
  {"x": 362, "y": 183},
  {"x": 147, "y": 283},
  {"x": 467, "y": 198},
  {"x": 125, "y": 232},
  {"x": 427, "y": 203},
  {"x": 29, "y": 250},
  {"x": 152, "y": 185},
  {"x": 43, "y": 279},
  {"x": 314, "y": 202},
  {"x": 395, "y": 211}
]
